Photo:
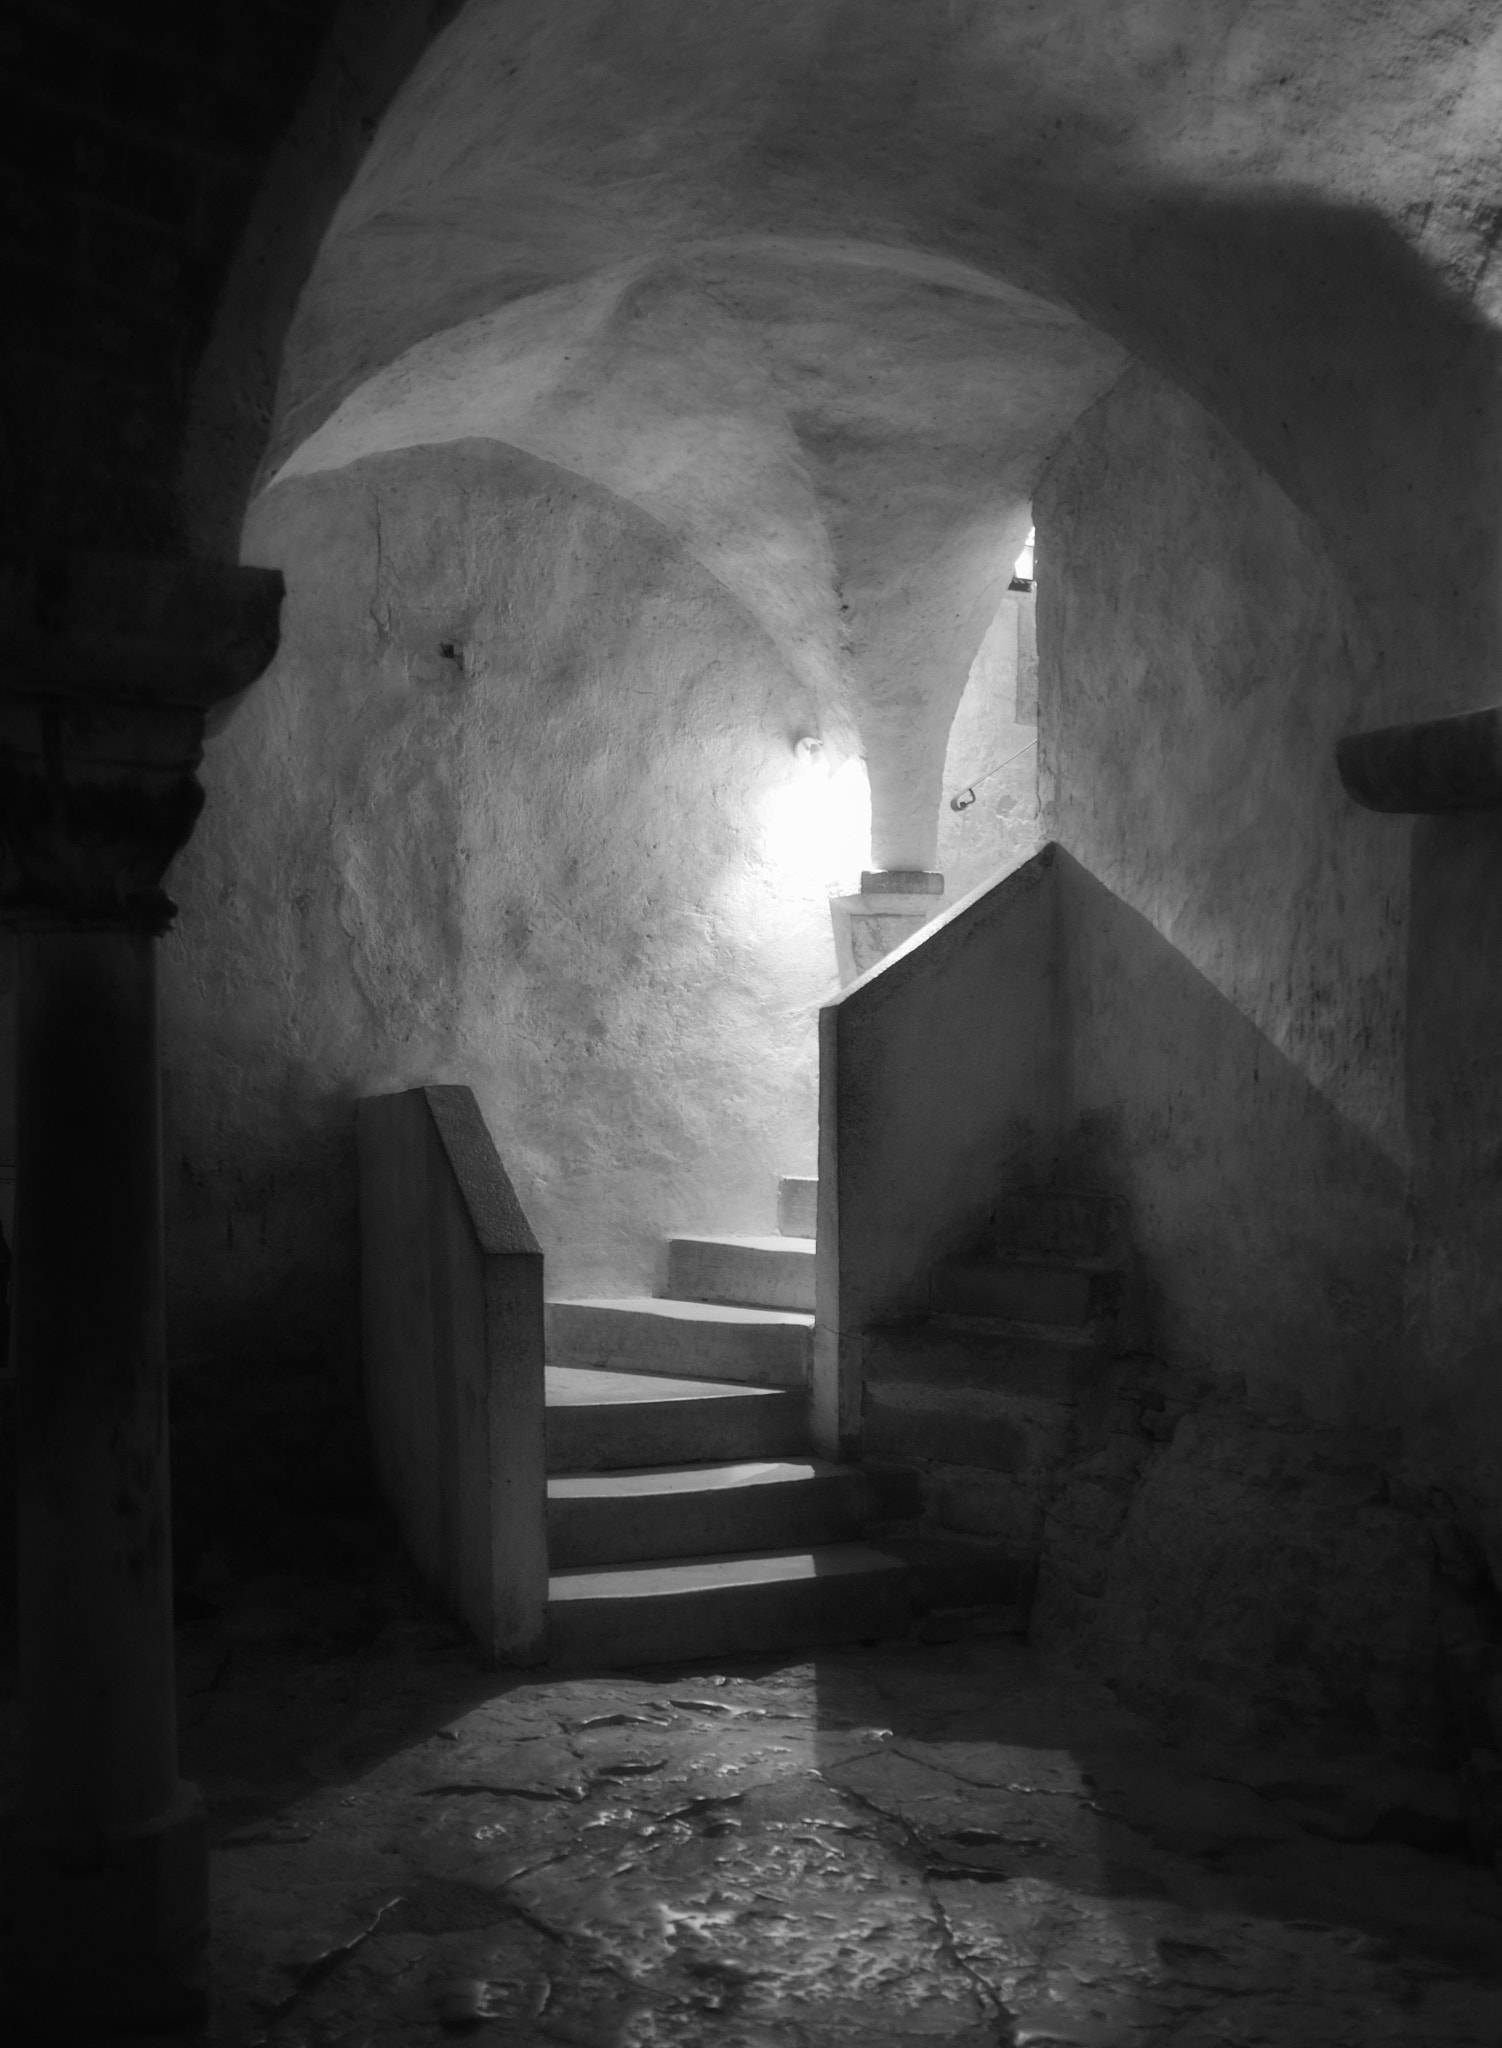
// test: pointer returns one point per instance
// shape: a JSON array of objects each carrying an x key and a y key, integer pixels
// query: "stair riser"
[
  {"x": 621, "y": 1340},
  {"x": 740, "y": 1276},
  {"x": 1058, "y": 1225},
  {"x": 717, "y": 1522},
  {"x": 994, "y": 1443},
  {"x": 1016, "y": 1292},
  {"x": 617, "y": 1437},
  {"x": 743, "y": 1621},
  {"x": 1055, "y": 1367}
]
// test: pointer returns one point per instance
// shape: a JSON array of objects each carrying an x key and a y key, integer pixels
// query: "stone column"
[{"x": 107, "y": 669}]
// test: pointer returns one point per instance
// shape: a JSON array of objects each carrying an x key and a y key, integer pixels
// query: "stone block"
[
  {"x": 946, "y": 1436},
  {"x": 1037, "y": 1365},
  {"x": 1024, "y": 1290},
  {"x": 894, "y": 1493},
  {"x": 979, "y": 1503},
  {"x": 1254, "y": 1581},
  {"x": 944, "y": 1573}
]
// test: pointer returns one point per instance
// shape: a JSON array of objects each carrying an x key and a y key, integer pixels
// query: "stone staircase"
[
  {"x": 980, "y": 1405},
  {"x": 687, "y": 1516}
]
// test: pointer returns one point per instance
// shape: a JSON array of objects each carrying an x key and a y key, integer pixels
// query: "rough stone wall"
[
  {"x": 1246, "y": 1576},
  {"x": 1195, "y": 673},
  {"x": 517, "y": 805},
  {"x": 992, "y": 756},
  {"x": 1271, "y": 1226},
  {"x": 1273, "y": 1524}
]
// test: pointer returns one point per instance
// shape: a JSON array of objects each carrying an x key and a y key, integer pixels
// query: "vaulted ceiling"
[{"x": 820, "y": 285}]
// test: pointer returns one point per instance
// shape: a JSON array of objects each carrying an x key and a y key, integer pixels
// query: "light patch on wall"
[
  {"x": 1022, "y": 568},
  {"x": 816, "y": 820}
]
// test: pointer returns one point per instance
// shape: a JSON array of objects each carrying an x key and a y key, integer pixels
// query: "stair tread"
[
  {"x": 586, "y": 1386},
  {"x": 659, "y": 1576},
  {"x": 799, "y": 1246},
  {"x": 708, "y": 1312},
  {"x": 1053, "y": 1336},
  {"x": 718, "y": 1477},
  {"x": 1006, "y": 1259}
]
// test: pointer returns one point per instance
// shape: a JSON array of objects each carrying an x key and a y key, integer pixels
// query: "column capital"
[{"x": 109, "y": 665}]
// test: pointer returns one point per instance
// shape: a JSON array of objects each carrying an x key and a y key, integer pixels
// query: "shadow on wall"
[
  {"x": 516, "y": 805},
  {"x": 1272, "y": 1228},
  {"x": 1454, "y": 1109},
  {"x": 1248, "y": 1538},
  {"x": 1043, "y": 1030},
  {"x": 1364, "y": 381},
  {"x": 1239, "y": 1530}
]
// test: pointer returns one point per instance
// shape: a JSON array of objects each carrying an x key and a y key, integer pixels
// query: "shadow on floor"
[{"x": 880, "y": 1845}]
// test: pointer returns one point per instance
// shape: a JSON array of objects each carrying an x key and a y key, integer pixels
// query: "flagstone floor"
[{"x": 917, "y": 1843}]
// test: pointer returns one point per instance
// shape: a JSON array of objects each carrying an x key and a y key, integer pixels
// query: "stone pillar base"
[
  {"x": 901, "y": 882},
  {"x": 869, "y": 926},
  {"x": 105, "y": 1932}
]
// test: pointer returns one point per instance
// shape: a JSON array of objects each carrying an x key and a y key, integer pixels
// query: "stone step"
[
  {"x": 747, "y": 1272},
  {"x": 797, "y": 1206},
  {"x": 700, "y": 1510},
  {"x": 1060, "y": 1222},
  {"x": 1058, "y": 1363},
  {"x": 947, "y": 1572},
  {"x": 608, "y": 1421},
  {"x": 692, "y": 1339},
  {"x": 1024, "y": 1290},
  {"x": 908, "y": 1422},
  {"x": 677, "y": 1608}
]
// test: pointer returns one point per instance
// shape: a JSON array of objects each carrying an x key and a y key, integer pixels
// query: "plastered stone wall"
[
  {"x": 1280, "y": 1519},
  {"x": 991, "y": 762},
  {"x": 1196, "y": 669},
  {"x": 517, "y": 805}
]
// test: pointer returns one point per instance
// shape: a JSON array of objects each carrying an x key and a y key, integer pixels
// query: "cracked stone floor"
[{"x": 916, "y": 1843}]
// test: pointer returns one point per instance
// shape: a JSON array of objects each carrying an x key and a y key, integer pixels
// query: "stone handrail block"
[
  {"x": 497, "y": 1216},
  {"x": 939, "y": 1082},
  {"x": 452, "y": 1340}
]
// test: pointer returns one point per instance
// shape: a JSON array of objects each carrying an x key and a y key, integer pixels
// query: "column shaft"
[
  {"x": 108, "y": 665},
  {"x": 98, "y": 1729},
  {"x": 104, "y": 1854}
]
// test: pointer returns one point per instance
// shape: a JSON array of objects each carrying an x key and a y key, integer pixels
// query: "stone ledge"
[{"x": 1434, "y": 766}]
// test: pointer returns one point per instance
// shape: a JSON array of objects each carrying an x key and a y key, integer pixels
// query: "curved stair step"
[
  {"x": 700, "y": 1510},
  {"x": 601, "y": 1421},
  {"x": 669, "y": 1609},
  {"x": 1024, "y": 1289},
  {"x": 695, "y": 1339},
  {"x": 747, "y": 1272}
]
